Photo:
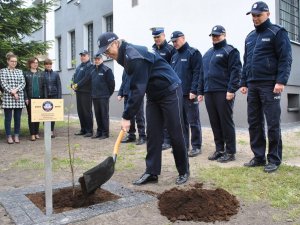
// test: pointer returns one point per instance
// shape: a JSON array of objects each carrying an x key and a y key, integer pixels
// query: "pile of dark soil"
[
  {"x": 63, "y": 199},
  {"x": 198, "y": 204}
]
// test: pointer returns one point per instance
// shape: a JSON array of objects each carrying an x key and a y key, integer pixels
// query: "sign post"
[{"x": 47, "y": 110}]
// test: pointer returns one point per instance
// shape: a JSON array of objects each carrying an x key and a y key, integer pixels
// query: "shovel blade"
[{"x": 98, "y": 175}]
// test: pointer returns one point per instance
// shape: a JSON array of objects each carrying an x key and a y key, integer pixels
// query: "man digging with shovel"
[{"x": 152, "y": 75}]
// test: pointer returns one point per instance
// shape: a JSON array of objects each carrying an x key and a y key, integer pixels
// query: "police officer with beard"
[{"x": 152, "y": 75}]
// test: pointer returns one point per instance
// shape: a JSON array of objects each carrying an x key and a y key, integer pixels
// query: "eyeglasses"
[
  {"x": 108, "y": 47},
  {"x": 13, "y": 61}
]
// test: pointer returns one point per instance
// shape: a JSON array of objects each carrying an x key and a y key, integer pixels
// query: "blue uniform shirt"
[
  {"x": 148, "y": 72},
  {"x": 165, "y": 50},
  {"x": 268, "y": 55},
  {"x": 221, "y": 69}
]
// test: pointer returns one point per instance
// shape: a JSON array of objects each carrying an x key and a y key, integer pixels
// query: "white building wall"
[{"x": 195, "y": 18}]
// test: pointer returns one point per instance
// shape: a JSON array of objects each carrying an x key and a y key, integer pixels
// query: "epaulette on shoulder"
[
  {"x": 228, "y": 48},
  {"x": 133, "y": 53},
  {"x": 192, "y": 50},
  {"x": 105, "y": 68},
  {"x": 252, "y": 32},
  {"x": 275, "y": 28}
]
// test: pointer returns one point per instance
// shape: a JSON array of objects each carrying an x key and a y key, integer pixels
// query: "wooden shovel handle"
[{"x": 118, "y": 141}]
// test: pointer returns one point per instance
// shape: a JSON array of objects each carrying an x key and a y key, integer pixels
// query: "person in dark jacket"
[
  {"x": 166, "y": 51},
  {"x": 53, "y": 85},
  {"x": 35, "y": 89},
  {"x": 81, "y": 84},
  {"x": 138, "y": 119},
  {"x": 152, "y": 75},
  {"x": 266, "y": 69},
  {"x": 187, "y": 63},
  {"x": 218, "y": 83},
  {"x": 103, "y": 86}
]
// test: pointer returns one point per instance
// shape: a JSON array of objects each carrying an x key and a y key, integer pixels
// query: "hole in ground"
[{"x": 63, "y": 199}]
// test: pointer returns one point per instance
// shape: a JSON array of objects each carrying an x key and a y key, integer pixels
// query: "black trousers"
[
  {"x": 139, "y": 120},
  {"x": 101, "y": 108},
  {"x": 33, "y": 126},
  {"x": 84, "y": 110},
  {"x": 220, "y": 112},
  {"x": 191, "y": 118},
  {"x": 166, "y": 110},
  {"x": 264, "y": 104}
]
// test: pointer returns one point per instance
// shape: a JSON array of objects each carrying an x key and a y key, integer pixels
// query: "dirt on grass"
[{"x": 20, "y": 166}]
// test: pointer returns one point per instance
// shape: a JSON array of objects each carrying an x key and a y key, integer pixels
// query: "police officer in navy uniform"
[
  {"x": 103, "y": 86},
  {"x": 218, "y": 83},
  {"x": 266, "y": 69},
  {"x": 152, "y": 75},
  {"x": 166, "y": 51},
  {"x": 138, "y": 119},
  {"x": 81, "y": 84},
  {"x": 187, "y": 63}
]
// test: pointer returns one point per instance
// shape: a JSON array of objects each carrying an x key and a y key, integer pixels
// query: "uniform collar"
[
  {"x": 121, "y": 53},
  {"x": 220, "y": 44},
  {"x": 184, "y": 47},
  {"x": 262, "y": 27},
  {"x": 160, "y": 46}
]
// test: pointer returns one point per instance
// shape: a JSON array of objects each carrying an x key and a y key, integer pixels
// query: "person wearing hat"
[
  {"x": 187, "y": 63},
  {"x": 152, "y": 75},
  {"x": 266, "y": 69},
  {"x": 166, "y": 51},
  {"x": 138, "y": 119},
  {"x": 103, "y": 86},
  {"x": 218, "y": 83},
  {"x": 81, "y": 84}
]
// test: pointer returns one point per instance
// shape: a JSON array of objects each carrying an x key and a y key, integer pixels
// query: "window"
[
  {"x": 289, "y": 18},
  {"x": 109, "y": 23},
  {"x": 134, "y": 3},
  {"x": 293, "y": 102},
  {"x": 90, "y": 37},
  {"x": 58, "y": 41},
  {"x": 72, "y": 49},
  {"x": 57, "y": 4}
]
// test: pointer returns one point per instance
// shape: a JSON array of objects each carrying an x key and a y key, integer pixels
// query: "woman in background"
[
  {"x": 13, "y": 83},
  {"x": 35, "y": 89},
  {"x": 53, "y": 86}
]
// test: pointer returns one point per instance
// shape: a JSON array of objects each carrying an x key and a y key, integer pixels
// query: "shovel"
[{"x": 98, "y": 175}]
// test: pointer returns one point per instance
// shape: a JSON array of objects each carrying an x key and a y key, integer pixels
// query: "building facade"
[{"x": 78, "y": 23}]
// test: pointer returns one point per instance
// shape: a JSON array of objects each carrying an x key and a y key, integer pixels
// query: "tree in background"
[{"x": 18, "y": 21}]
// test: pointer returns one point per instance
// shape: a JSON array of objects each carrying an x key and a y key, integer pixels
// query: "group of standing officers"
[{"x": 176, "y": 78}]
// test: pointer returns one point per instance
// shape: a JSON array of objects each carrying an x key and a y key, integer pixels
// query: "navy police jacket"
[
  {"x": 268, "y": 55},
  {"x": 149, "y": 73},
  {"x": 165, "y": 50},
  {"x": 81, "y": 77},
  {"x": 222, "y": 69},
  {"x": 103, "y": 81},
  {"x": 53, "y": 83},
  {"x": 187, "y": 63},
  {"x": 125, "y": 86}
]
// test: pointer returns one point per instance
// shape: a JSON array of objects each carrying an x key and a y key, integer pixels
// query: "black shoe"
[
  {"x": 80, "y": 133},
  {"x": 96, "y": 136},
  {"x": 165, "y": 146},
  {"x": 194, "y": 152},
  {"x": 181, "y": 179},
  {"x": 215, "y": 155},
  {"x": 141, "y": 141},
  {"x": 128, "y": 139},
  {"x": 255, "y": 162},
  {"x": 270, "y": 167},
  {"x": 103, "y": 137},
  {"x": 146, "y": 178},
  {"x": 226, "y": 158},
  {"x": 88, "y": 135}
]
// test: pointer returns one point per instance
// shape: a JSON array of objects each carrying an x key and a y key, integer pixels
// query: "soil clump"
[{"x": 198, "y": 204}]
